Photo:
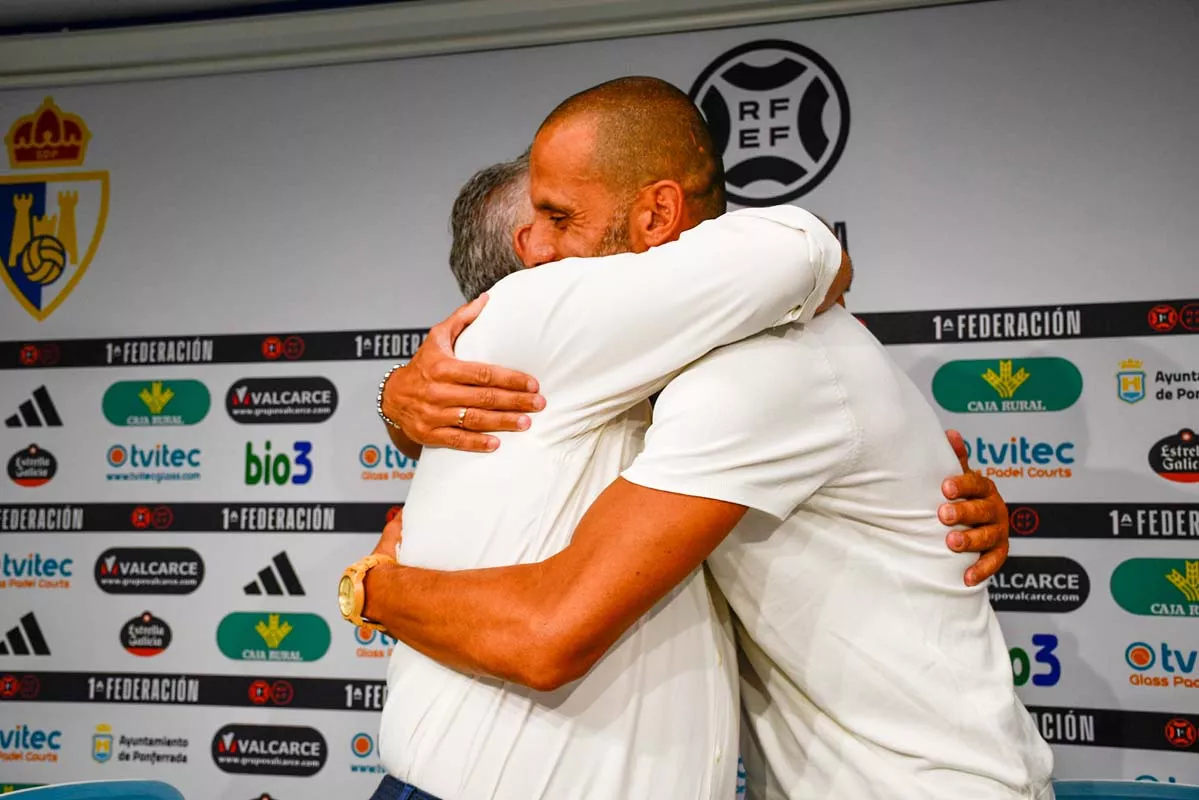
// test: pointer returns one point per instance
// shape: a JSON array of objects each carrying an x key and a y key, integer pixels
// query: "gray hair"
[{"x": 490, "y": 206}]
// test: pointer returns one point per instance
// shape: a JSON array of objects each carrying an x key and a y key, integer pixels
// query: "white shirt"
[
  {"x": 656, "y": 717},
  {"x": 870, "y": 670}
]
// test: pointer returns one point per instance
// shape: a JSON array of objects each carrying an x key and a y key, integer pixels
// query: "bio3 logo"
[
  {"x": 1042, "y": 668},
  {"x": 274, "y": 468}
]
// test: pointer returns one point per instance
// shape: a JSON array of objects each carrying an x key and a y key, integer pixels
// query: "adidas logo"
[
  {"x": 27, "y": 413},
  {"x": 280, "y": 580},
  {"x": 23, "y": 636}
]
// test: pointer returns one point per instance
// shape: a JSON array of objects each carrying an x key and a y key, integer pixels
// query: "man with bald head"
[{"x": 546, "y": 624}]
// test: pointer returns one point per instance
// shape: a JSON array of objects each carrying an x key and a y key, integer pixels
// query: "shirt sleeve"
[
  {"x": 761, "y": 423},
  {"x": 610, "y": 331}
]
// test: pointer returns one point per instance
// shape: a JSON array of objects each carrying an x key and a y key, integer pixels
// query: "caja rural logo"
[
  {"x": 779, "y": 117},
  {"x": 50, "y": 222},
  {"x": 1007, "y": 385}
]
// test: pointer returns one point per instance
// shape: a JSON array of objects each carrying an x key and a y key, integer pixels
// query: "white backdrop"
[{"x": 1021, "y": 156}]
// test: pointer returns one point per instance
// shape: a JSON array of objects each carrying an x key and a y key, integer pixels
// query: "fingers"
[
  {"x": 458, "y": 439},
  {"x": 977, "y": 540},
  {"x": 445, "y": 333},
  {"x": 959, "y": 448},
  {"x": 392, "y": 534},
  {"x": 472, "y": 373},
  {"x": 968, "y": 513},
  {"x": 968, "y": 486},
  {"x": 457, "y": 396},
  {"x": 987, "y": 565},
  {"x": 488, "y": 421}
]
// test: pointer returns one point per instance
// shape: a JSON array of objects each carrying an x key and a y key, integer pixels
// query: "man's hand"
[
  {"x": 393, "y": 531},
  {"x": 426, "y": 398},
  {"x": 983, "y": 513}
]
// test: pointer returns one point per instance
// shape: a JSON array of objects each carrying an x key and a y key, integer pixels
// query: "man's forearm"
[{"x": 497, "y": 621}]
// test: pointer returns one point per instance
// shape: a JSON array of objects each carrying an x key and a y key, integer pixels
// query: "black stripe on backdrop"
[
  {"x": 1150, "y": 522},
  {"x": 1012, "y": 323},
  {"x": 197, "y": 517},
  {"x": 185, "y": 689},
  {"x": 1109, "y": 727}
]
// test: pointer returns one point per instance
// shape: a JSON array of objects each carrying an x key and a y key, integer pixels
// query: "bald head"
[{"x": 646, "y": 130}]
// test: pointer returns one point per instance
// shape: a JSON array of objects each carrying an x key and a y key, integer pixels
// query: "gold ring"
[{"x": 462, "y": 418}]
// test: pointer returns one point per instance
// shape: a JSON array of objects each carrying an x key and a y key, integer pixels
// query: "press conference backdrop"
[{"x": 207, "y": 277}]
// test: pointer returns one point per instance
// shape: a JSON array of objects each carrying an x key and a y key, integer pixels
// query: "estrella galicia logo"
[
  {"x": 1007, "y": 385},
  {"x": 1157, "y": 587},
  {"x": 281, "y": 400},
  {"x": 269, "y": 750},
  {"x": 1039, "y": 583},
  {"x": 155, "y": 403},
  {"x": 145, "y": 635},
  {"x": 32, "y": 466},
  {"x": 1176, "y": 458},
  {"x": 149, "y": 570},
  {"x": 779, "y": 117}
]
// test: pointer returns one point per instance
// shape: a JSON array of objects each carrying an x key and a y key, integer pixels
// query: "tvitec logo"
[
  {"x": 157, "y": 463},
  {"x": 1157, "y": 587},
  {"x": 372, "y": 644},
  {"x": 35, "y": 571},
  {"x": 278, "y": 469},
  {"x": 1020, "y": 457},
  {"x": 22, "y": 743},
  {"x": 1011, "y": 385},
  {"x": 385, "y": 463},
  {"x": 1149, "y": 662}
]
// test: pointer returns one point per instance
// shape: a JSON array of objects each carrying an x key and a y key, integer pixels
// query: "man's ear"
[
  {"x": 658, "y": 215},
  {"x": 520, "y": 243}
]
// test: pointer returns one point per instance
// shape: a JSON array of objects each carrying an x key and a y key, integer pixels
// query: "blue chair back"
[
  {"x": 1123, "y": 790},
  {"x": 100, "y": 790}
]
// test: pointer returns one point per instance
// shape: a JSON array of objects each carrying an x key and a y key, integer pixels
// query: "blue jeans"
[{"x": 391, "y": 789}]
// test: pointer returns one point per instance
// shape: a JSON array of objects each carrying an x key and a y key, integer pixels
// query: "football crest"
[{"x": 50, "y": 222}]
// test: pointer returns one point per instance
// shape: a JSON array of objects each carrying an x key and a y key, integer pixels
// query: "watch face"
[{"x": 345, "y": 595}]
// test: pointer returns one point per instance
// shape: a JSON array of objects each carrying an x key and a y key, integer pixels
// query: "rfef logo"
[
  {"x": 1176, "y": 458},
  {"x": 1149, "y": 661},
  {"x": 32, "y": 745},
  {"x": 154, "y": 403},
  {"x": 35, "y": 571},
  {"x": 1007, "y": 385},
  {"x": 281, "y": 400},
  {"x": 1157, "y": 587},
  {"x": 385, "y": 463},
  {"x": 264, "y": 636},
  {"x": 32, "y": 466},
  {"x": 1050, "y": 584},
  {"x": 278, "y": 469},
  {"x": 779, "y": 117},
  {"x": 149, "y": 570},
  {"x": 1020, "y": 457},
  {"x": 269, "y": 750},
  {"x": 145, "y": 635},
  {"x": 1043, "y": 668},
  {"x": 52, "y": 223}
]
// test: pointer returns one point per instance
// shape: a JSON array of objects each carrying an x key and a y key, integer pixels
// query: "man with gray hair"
[{"x": 490, "y": 206}]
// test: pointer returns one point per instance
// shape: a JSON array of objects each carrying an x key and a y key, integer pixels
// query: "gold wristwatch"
[{"x": 351, "y": 596}]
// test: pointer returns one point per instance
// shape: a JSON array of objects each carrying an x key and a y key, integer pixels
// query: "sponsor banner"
[
  {"x": 1158, "y": 587},
  {"x": 281, "y": 400},
  {"x": 1021, "y": 458},
  {"x": 362, "y": 747},
  {"x": 137, "y": 749},
  {"x": 1042, "y": 584},
  {"x": 1176, "y": 457},
  {"x": 263, "y": 636},
  {"x": 35, "y": 571},
  {"x": 1135, "y": 382},
  {"x": 236, "y": 348},
  {"x": 1027, "y": 323},
  {"x": 32, "y": 466},
  {"x": 149, "y": 570},
  {"x": 25, "y": 743},
  {"x": 1162, "y": 665},
  {"x": 1156, "y": 522},
  {"x": 1013, "y": 385},
  {"x": 198, "y": 517},
  {"x": 238, "y": 691},
  {"x": 269, "y": 750},
  {"x": 1109, "y": 727},
  {"x": 154, "y": 403},
  {"x": 145, "y": 635}
]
